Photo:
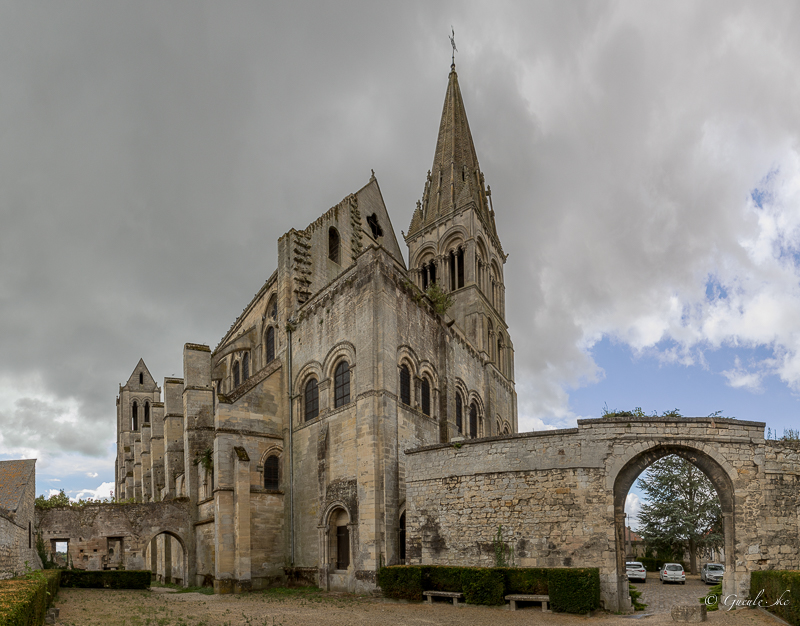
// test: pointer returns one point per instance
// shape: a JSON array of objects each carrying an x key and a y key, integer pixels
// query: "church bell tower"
[{"x": 453, "y": 242}]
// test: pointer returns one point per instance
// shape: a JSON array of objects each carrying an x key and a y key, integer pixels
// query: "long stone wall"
[{"x": 557, "y": 497}]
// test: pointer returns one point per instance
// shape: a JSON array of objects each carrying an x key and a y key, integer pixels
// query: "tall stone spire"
[{"x": 455, "y": 180}]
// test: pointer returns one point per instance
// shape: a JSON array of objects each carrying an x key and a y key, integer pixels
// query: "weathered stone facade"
[
  {"x": 287, "y": 439},
  {"x": 559, "y": 496},
  {"x": 17, "y": 529}
]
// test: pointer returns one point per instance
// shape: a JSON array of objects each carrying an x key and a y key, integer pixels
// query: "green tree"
[{"x": 682, "y": 510}]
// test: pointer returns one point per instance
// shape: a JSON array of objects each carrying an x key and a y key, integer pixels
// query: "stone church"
[{"x": 286, "y": 441}]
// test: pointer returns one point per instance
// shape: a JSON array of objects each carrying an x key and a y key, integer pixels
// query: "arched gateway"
[{"x": 558, "y": 496}]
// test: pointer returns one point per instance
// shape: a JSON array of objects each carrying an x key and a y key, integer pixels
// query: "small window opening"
[
  {"x": 146, "y": 412},
  {"x": 402, "y": 539},
  {"x": 236, "y": 379},
  {"x": 426, "y": 397},
  {"x": 273, "y": 307},
  {"x": 270, "y": 344},
  {"x": 141, "y": 378},
  {"x": 341, "y": 380},
  {"x": 473, "y": 420},
  {"x": 405, "y": 385},
  {"x": 333, "y": 244},
  {"x": 271, "y": 473},
  {"x": 312, "y": 399},
  {"x": 459, "y": 415},
  {"x": 246, "y": 366},
  {"x": 135, "y": 416},
  {"x": 374, "y": 226}
]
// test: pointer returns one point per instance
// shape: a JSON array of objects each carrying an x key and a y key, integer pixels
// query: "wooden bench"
[
  {"x": 455, "y": 595},
  {"x": 521, "y": 597}
]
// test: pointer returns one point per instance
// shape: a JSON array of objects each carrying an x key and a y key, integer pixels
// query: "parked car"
[
  {"x": 711, "y": 573},
  {"x": 636, "y": 571},
  {"x": 672, "y": 573}
]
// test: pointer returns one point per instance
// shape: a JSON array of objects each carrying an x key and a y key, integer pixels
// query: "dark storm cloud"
[{"x": 152, "y": 154}]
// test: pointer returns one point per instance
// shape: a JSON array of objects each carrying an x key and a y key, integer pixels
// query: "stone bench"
[
  {"x": 523, "y": 597},
  {"x": 455, "y": 595}
]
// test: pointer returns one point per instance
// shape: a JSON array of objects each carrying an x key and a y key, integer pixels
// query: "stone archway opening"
[
  {"x": 166, "y": 556},
  {"x": 634, "y": 468}
]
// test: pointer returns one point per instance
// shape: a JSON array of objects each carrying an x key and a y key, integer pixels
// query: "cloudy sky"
[{"x": 643, "y": 159}]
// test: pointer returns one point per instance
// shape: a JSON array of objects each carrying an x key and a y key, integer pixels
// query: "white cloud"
[
  {"x": 92, "y": 474},
  {"x": 632, "y": 507},
  {"x": 103, "y": 492}
]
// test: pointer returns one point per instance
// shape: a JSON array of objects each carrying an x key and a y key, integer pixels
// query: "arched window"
[
  {"x": 270, "y": 344},
  {"x": 135, "y": 415},
  {"x": 425, "y": 389},
  {"x": 141, "y": 378},
  {"x": 333, "y": 245},
  {"x": 146, "y": 412},
  {"x": 272, "y": 473},
  {"x": 506, "y": 430},
  {"x": 246, "y": 366},
  {"x": 459, "y": 414},
  {"x": 473, "y": 420},
  {"x": 272, "y": 307},
  {"x": 405, "y": 385},
  {"x": 312, "y": 399},
  {"x": 402, "y": 538},
  {"x": 236, "y": 378},
  {"x": 341, "y": 384},
  {"x": 500, "y": 354}
]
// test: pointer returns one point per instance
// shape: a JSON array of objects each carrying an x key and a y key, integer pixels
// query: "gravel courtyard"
[{"x": 90, "y": 607}]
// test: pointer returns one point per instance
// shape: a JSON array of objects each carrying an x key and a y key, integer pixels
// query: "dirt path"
[{"x": 96, "y": 607}]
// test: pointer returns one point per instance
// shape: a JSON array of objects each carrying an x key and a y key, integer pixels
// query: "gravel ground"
[
  {"x": 90, "y": 607},
  {"x": 660, "y": 598}
]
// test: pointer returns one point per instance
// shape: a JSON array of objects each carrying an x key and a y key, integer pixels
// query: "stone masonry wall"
[{"x": 555, "y": 494}]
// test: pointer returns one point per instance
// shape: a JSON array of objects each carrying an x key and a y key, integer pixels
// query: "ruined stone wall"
[
  {"x": 558, "y": 495},
  {"x": 93, "y": 530}
]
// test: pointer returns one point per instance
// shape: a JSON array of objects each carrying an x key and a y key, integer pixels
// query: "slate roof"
[{"x": 14, "y": 477}]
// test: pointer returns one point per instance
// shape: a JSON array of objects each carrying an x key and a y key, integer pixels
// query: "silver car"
[
  {"x": 672, "y": 573},
  {"x": 711, "y": 573},
  {"x": 636, "y": 571}
]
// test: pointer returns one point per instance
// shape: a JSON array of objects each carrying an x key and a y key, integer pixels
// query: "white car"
[
  {"x": 672, "y": 573},
  {"x": 636, "y": 571},
  {"x": 712, "y": 573}
]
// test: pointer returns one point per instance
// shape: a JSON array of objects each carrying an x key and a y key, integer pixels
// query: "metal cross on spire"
[{"x": 453, "y": 43}]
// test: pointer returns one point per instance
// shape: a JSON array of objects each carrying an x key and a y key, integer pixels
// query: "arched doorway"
[
  {"x": 628, "y": 474},
  {"x": 166, "y": 555}
]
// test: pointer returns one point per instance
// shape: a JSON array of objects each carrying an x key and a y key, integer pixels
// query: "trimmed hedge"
[
  {"x": 401, "y": 582},
  {"x": 24, "y": 601},
  {"x": 106, "y": 579},
  {"x": 570, "y": 590},
  {"x": 574, "y": 590},
  {"x": 652, "y": 564},
  {"x": 781, "y": 593},
  {"x": 483, "y": 585}
]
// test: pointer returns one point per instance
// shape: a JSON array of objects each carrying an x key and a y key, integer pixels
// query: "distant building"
[{"x": 17, "y": 532}]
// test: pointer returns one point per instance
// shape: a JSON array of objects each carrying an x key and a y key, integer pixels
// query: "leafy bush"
[
  {"x": 711, "y": 599},
  {"x": 401, "y": 582},
  {"x": 482, "y": 585},
  {"x": 574, "y": 590},
  {"x": 781, "y": 593},
  {"x": 106, "y": 579},
  {"x": 635, "y": 595},
  {"x": 24, "y": 601}
]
